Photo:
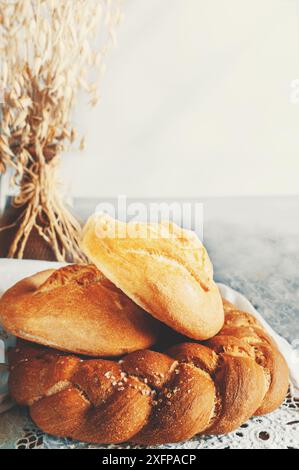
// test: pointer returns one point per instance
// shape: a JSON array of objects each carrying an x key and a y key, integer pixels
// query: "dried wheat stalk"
[{"x": 49, "y": 49}]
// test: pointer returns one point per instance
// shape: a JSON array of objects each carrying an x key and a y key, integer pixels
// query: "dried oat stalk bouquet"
[{"x": 49, "y": 50}]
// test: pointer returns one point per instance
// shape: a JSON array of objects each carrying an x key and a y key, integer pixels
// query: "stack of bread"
[{"x": 138, "y": 346}]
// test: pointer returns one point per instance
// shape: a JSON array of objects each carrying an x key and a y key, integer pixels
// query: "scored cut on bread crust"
[
  {"x": 76, "y": 309},
  {"x": 162, "y": 267},
  {"x": 152, "y": 397}
]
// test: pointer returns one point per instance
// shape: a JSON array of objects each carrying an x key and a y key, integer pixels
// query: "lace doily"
[{"x": 278, "y": 430}]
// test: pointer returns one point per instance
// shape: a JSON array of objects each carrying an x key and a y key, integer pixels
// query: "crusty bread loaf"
[
  {"x": 152, "y": 397},
  {"x": 76, "y": 309},
  {"x": 163, "y": 268}
]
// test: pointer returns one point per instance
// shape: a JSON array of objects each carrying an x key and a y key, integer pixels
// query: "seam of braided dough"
[{"x": 152, "y": 417}]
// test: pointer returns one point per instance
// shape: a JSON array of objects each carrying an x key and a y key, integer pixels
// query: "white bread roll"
[
  {"x": 162, "y": 268},
  {"x": 76, "y": 309}
]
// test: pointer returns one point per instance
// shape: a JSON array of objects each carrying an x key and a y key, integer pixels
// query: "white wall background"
[{"x": 195, "y": 101}]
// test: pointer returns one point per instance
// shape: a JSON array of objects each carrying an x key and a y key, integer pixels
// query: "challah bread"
[
  {"x": 76, "y": 309},
  {"x": 151, "y": 397},
  {"x": 163, "y": 268}
]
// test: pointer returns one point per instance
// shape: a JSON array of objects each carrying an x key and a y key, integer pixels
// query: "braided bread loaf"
[{"x": 151, "y": 397}]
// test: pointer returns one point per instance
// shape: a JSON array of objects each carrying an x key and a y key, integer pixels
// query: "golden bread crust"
[
  {"x": 151, "y": 397},
  {"x": 163, "y": 268},
  {"x": 76, "y": 309}
]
